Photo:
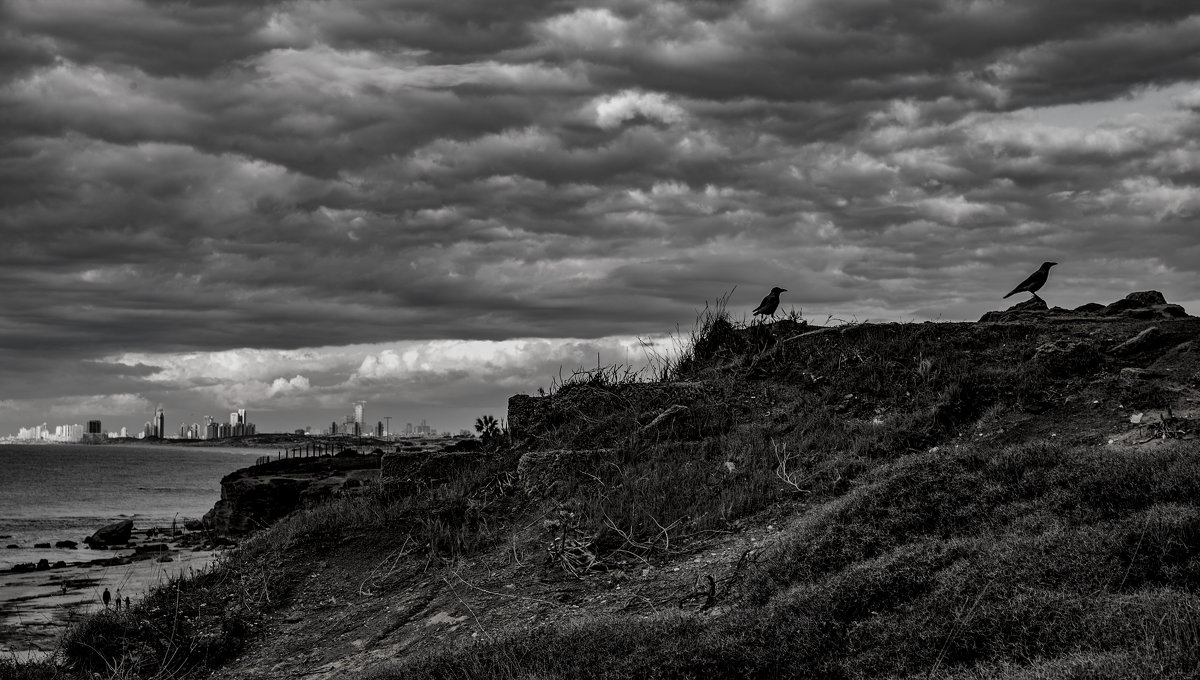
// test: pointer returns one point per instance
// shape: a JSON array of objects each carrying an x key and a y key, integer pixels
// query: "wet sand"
[{"x": 36, "y": 607}]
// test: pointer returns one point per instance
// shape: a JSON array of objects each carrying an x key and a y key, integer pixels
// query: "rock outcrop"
[
  {"x": 255, "y": 497},
  {"x": 1144, "y": 305},
  {"x": 117, "y": 533}
]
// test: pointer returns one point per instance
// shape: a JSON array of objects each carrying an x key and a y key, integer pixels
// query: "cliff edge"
[{"x": 1018, "y": 497}]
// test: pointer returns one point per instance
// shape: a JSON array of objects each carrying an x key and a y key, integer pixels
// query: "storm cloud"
[{"x": 309, "y": 192}]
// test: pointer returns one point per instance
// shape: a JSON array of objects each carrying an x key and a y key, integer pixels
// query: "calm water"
[{"x": 66, "y": 492}]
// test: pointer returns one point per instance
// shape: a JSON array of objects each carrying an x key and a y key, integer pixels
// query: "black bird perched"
[
  {"x": 1035, "y": 281},
  {"x": 107, "y": 597},
  {"x": 770, "y": 303}
]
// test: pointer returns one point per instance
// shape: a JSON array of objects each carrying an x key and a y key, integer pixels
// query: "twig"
[
  {"x": 1136, "y": 548},
  {"x": 781, "y": 470},
  {"x": 955, "y": 630},
  {"x": 468, "y": 607},
  {"x": 490, "y": 592},
  {"x": 394, "y": 557}
]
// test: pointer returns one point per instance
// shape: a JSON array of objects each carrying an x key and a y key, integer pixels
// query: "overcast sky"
[{"x": 430, "y": 205}]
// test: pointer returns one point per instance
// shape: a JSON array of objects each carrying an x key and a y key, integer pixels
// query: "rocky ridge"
[{"x": 771, "y": 470}]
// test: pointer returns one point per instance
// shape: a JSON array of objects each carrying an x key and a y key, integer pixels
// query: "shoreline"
[{"x": 37, "y": 607}]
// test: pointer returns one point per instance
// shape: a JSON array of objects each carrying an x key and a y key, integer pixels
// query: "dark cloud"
[{"x": 217, "y": 180}]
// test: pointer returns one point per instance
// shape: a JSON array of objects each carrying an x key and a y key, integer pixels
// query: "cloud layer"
[{"x": 219, "y": 182}]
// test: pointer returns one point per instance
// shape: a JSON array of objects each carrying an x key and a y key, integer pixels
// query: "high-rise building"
[
  {"x": 359, "y": 409},
  {"x": 159, "y": 427},
  {"x": 94, "y": 427}
]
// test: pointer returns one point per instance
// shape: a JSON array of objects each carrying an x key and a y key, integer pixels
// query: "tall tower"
[
  {"x": 359, "y": 409},
  {"x": 160, "y": 422}
]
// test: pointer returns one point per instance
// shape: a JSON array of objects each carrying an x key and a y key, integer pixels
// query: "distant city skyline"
[
  {"x": 75, "y": 431},
  {"x": 431, "y": 206}
]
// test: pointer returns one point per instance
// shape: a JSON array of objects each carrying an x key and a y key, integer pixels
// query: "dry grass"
[{"x": 917, "y": 553}]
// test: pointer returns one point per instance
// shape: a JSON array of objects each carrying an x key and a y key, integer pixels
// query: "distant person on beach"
[
  {"x": 127, "y": 603},
  {"x": 107, "y": 597},
  {"x": 117, "y": 604}
]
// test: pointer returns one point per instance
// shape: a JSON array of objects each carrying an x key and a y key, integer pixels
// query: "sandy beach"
[{"x": 36, "y": 607}]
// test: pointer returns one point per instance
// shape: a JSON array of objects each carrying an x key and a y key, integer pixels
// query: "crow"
[
  {"x": 770, "y": 303},
  {"x": 1035, "y": 281}
]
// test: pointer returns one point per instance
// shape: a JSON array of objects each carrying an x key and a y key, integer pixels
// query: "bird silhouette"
[
  {"x": 770, "y": 303},
  {"x": 1035, "y": 281}
]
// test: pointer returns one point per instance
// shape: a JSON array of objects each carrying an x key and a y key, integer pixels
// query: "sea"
[{"x": 57, "y": 492}]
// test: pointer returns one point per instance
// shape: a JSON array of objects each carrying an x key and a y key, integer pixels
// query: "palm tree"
[{"x": 487, "y": 426}]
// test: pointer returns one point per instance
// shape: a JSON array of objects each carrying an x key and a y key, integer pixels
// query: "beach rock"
[
  {"x": 59, "y": 565},
  {"x": 69, "y": 545},
  {"x": 41, "y": 545},
  {"x": 42, "y": 564},
  {"x": 116, "y": 533},
  {"x": 12, "y": 546},
  {"x": 193, "y": 525},
  {"x": 165, "y": 558}
]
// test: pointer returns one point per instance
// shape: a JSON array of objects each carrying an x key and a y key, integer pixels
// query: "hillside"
[{"x": 1012, "y": 498}]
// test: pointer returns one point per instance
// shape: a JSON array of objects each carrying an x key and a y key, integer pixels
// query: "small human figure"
[
  {"x": 107, "y": 597},
  {"x": 126, "y": 603}
]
